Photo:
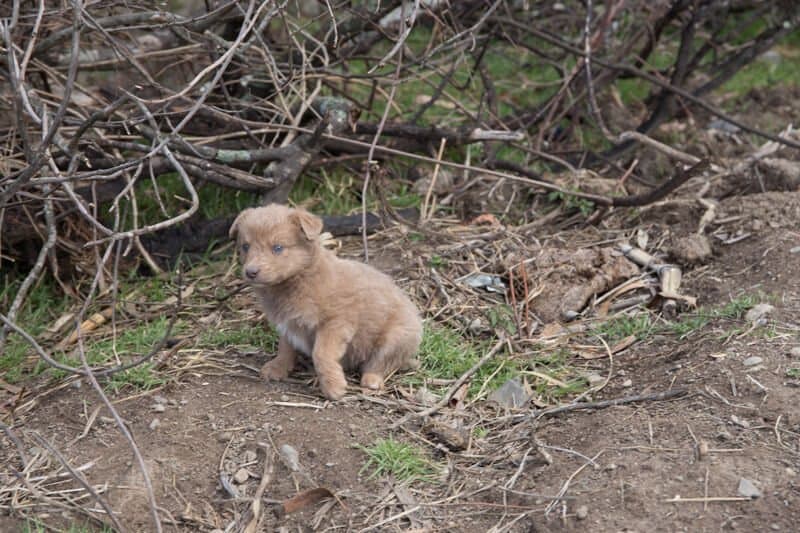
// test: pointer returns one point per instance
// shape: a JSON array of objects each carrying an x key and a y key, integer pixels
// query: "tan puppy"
[{"x": 341, "y": 313}]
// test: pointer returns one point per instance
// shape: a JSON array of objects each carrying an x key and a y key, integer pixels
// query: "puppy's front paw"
[
  {"x": 333, "y": 387},
  {"x": 371, "y": 381},
  {"x": 275, "y": 370}
]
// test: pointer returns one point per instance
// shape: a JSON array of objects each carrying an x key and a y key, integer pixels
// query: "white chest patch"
[{"x": 296, "y": 339}]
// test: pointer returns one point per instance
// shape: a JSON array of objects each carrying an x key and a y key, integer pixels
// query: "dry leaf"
[{"x": 302, "y": 500}]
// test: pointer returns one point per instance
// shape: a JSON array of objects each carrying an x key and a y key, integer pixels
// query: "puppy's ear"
[
  {"x": 235, "y": 226},
  {"x": 311, "y": 225}
]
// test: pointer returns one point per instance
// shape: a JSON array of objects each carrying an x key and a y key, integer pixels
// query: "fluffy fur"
[{"x": 343, "y": 314}]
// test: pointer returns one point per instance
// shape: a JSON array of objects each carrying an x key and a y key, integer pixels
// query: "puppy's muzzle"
[{"x": 251, "y": 272}]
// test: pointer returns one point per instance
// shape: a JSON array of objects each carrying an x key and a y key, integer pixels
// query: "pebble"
[
  {"x": 627, "y": 383},
  {"x": 224, "y": 436},
  {"x": 582, "y": 512},
  {"x": 241, "y": 476},
  {"x": 290, "y": 457},
  {"x": 425, "y": 397},
  {"x": 758, "y": 312},
  {"x": 510, "y": 394},
  {"x": 159, "y": 399},
  {"x": 748, "y": 489},
  {"x": 753, "y": 360},
  {"x": 791, "y": 472},
  {"x": 106, "y": 420},
  {"x": 155, "y": 423},
  {"x": 741, "y": 422},
  {"x": 795, "y": 352},
  {"x": 159, "y": 408},
  {"x": 594, "y": 379},
  {"x": 249, "y": 456}
]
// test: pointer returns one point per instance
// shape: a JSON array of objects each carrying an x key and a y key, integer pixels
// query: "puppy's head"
[{"x": 276, "y": 242}]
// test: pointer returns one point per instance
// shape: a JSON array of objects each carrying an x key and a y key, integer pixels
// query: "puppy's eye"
[
  {"x": 277, "y": 249},
  {"x": 245, "y": 247}
]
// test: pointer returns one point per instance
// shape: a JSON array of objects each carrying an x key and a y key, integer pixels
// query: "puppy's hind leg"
[
  {"x": 396, "y": 353},
  {"x": 280, "y": 367}
]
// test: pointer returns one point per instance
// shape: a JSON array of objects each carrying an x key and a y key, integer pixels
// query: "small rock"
[
  {"x": 795, "y": 250},
  {"x": 510, "y": 394},
  {"x": 748, "y": 489},
  {"x": 155, "y": 423},
  {"x": 159, "y": 408},
  {"x": 771, "y": 56},
  {"x": 691, "y": 250},
  {"x": 106, "y": 420},
  {"x": 758, "y": 312},
  {"x": 451, "y": 435},
  {"x": 290, "y": 457},
  {"x": 627, "y": 383},
  {"x": 582, "y": 513},
  {"x": 241, "y": 476},
  {"x": 723, "y": 436},
  {"x": 425, "y": 397},
  {"x": 224, "y": 436},
  {"x": 159, "y": 399},
  {"x": 775, "y": 527},
  {"x": 753, "y": 361},
  {"x": 249, "y": 456},
  {"x": 740, "y": 422},
  {"x": 723, "y": 126},
  {"x": 791, "y": 472},
  {"x": 210, "y": 417},
  {"x": 795, "y": 352},
  {"x": 184, "y": 402},
  {"x": 476, "y": 327},
  {"x": 594, "y": 379}
]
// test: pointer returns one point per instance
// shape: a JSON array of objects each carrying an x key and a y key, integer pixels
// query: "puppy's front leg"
[
  {"x": 279, "y": 367},
  {"x": 329, "y": 349}
]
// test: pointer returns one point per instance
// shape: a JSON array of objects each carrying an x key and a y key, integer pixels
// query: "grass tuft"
[{"x": 403, "y": 461}]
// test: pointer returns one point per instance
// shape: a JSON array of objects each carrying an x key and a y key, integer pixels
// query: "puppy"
[{"x": 343, "y": 314}]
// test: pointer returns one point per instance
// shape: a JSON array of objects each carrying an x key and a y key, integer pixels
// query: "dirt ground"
[
  {"x": 622, "y": 467},
  {"x": 215, "y": 432}
]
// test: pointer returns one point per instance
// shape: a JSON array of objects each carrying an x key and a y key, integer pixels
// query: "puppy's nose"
[{"x": 251, "y": 272}]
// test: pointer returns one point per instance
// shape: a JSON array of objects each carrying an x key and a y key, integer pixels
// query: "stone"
[
  {"x": 748, "y": 489},
  {"x": 627, "y": 383},
  {"x": 241, "y": 476},
  {"x": 159, "y": 399},
  {"x": 511, "y": 394},
  {"x": 154, "y": 424},
  {"x": 424, "y": 396},
  {"x": 582, "y": 513},
  {"x": 159, "y": 408},
  {"x": 753, "y": 361},
  {"x": 249, "y": 456},
  {"x": 795, "y": 352},
  {"x": 691, "y": 250},
  {"x": 290, "y": 457},
  {"x": 758, "y": 312},
  {"x": 594, "y": 379}
]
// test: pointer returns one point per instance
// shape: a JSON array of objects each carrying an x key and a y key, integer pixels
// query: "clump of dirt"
[
  {"x": 566, "y": 279},
  {"x": 690, "y": 250}
]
